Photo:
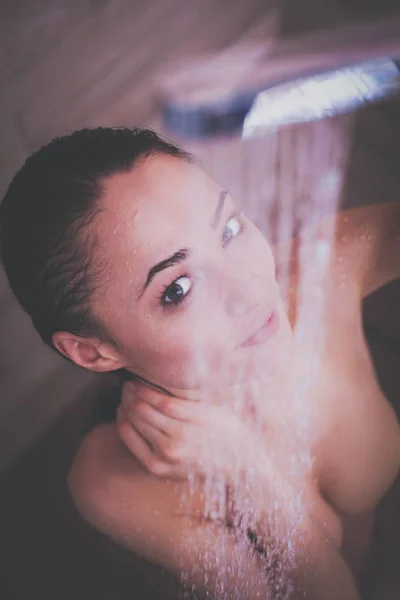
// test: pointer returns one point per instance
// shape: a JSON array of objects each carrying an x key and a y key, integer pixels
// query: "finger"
[
  {"x": 143, "y": 411},
  {"x": 135, "y": 443},
  {"x": 152, "y": 416},
  {"x": 153, "y": 436},
  {"x": 142, "y": 451},
  {"x": 176, "y": 408},
  {"x": 134, "y": 392}
]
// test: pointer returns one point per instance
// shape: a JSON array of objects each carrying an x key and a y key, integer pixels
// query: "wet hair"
[{"x": 48, "y": 246}]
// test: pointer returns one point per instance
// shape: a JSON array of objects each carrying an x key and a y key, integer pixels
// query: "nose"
[{"x": 242, "y": 293}]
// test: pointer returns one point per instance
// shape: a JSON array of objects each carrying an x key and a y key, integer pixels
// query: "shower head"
[
  {"x": 322, "y": 95},
  {"x": 305, "y": 80}
]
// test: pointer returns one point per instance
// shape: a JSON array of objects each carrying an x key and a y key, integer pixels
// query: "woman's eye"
[
  {"x": 231, "y": 229},
  {"x": 176, "y": 292}
]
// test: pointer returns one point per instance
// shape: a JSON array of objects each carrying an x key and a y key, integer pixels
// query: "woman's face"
[{"x": 191, "y": 298}]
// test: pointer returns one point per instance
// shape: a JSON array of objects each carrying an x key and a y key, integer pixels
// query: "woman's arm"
[{"x": 146, "y": 515}]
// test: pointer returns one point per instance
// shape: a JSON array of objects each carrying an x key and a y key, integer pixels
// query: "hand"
[{"x": 172, "y": 437}]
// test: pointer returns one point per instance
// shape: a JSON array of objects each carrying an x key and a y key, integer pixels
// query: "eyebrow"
[
  {"x": 218, "y": 211},
  {"x": 184, "y": 253},
  {"x": 175, "y": 259}
]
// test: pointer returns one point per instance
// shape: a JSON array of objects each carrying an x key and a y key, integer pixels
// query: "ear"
[{"x": 89, "y": 353}]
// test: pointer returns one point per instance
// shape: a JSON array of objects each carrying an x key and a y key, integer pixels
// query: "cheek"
[
  {"x": 196, "y": 343},
  {"x": 183, "y": 363},
  {"x": 264, "y": 251},
  {"x": 198, "y": 357},
  {"x": 268, "y": 260},
  {"x": 271, "y": 265},
  {"x": 178, "y": 345}
]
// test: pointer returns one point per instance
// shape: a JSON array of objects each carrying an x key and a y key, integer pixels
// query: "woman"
[{"x": 118, "y": 275}]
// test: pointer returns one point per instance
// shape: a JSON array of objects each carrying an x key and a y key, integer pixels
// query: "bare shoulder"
[
  {"x": 100, "y": 453},
  {"x": 103, "y": 464},
  {"x": 141, "y": 512},
  {"x": 99, "y": 457},
  {"x": 368, "y": 239},
  {"x": 105, "y": 479}
]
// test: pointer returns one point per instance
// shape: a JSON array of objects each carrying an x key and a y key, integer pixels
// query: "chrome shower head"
[{"x": 322, "y": 95}]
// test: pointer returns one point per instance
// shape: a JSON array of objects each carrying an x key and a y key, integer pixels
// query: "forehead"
[
  {"x": 156, "y": 207},
  {"x": 159, "y": 187}
]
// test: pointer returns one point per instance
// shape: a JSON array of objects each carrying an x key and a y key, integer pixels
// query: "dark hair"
[{"x": 47, "y": 246}]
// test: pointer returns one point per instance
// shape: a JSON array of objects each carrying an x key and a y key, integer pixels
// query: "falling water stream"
[{"x": 287, "y": 183}]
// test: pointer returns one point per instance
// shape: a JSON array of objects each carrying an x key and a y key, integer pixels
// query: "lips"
[{"x": 265, "y": 332}]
